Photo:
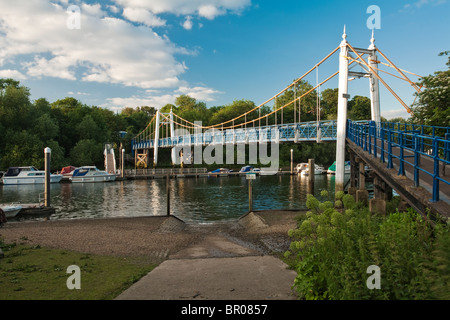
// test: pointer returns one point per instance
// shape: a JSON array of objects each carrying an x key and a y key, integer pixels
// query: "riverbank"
[
  {"x": 248, "y": 247},
  {"x": 149, "y": 236}
]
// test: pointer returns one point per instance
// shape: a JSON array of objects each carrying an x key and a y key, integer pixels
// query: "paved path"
[{"x": 217, "y": 268}]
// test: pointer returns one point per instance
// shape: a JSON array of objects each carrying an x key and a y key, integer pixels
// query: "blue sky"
[{"x": 129, "y": 53}]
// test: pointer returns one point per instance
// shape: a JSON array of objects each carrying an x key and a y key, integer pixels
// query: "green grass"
[{"x": 35, "y": 273}]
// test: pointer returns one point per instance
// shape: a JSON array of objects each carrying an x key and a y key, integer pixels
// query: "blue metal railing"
[
  {"x": 409, "y": 143},
  {"x": 291, "y": 132}
]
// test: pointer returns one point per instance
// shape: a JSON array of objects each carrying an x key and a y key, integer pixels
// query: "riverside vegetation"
[
  {"x": 38, "y": 273},
  {"x": 336, "y": 242}
]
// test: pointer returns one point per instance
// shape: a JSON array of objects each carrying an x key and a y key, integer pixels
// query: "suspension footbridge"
[{"x": 419, "y": 155}]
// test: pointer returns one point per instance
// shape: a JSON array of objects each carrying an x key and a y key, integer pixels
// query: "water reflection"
[{"x": 192, "y": 199}]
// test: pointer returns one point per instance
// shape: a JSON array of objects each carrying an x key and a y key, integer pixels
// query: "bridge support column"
[
  {"x": 172, "y": 134},
  {"x": 342, "y": 115},
  {"x": 155, "y": 151},
  {"x": 378, "y": 203},
  {"x": 353, "y": 176},
  {"x": 362, "y": 195},
  {"x": 374, "y": 84}
]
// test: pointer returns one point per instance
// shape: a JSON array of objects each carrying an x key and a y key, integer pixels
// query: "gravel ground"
[{"x": 153, "y": 237}]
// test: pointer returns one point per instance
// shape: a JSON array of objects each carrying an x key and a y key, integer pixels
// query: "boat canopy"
[
  {"x": 67, "y": 169},
  {"x": 79, "y": 172},
  {"x": 246, "y": 169},
  {"x": 333, "y": 166},
  {"x": 14, "y": 171}
]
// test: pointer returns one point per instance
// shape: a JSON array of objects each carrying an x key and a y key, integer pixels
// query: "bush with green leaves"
[{"x": 335, "y": 243}]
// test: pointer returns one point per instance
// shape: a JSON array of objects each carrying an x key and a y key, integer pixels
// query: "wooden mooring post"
[{"x": 48, "y": 155}]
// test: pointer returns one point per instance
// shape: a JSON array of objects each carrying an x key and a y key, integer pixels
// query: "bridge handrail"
[
  {"x": 372, "y": 138},
  {"x": 287, "y": 131},
  {"x": 164, "y": 171}
]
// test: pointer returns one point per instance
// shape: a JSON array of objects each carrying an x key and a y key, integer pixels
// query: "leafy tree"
[
  {"x": 398, "y": 119},
  {"x": 307, "y": 105},
  {"x": 14, "y": 104},
  {"x": 190, "y": 109},
  {"x": 42, "y": 106},
  {"x": 22, "y": 148},
  {"x": 46, "y": 127},
  {"x": 87, "y": 152},
  {"x": 359, "y": 108},
  {"x": 88, "y": 129},
  {"x": 433, "y": 106},
  {"x": 329, "y": 103},
  {"x": 234, "y": 110}
]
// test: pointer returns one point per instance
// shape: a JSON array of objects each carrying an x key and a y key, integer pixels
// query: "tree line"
[{"x": 76, "y": 132}]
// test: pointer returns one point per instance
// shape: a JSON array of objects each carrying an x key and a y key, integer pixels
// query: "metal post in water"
[
  {"x": 292, "y": 161},
  {"x": 311, "y": 176},
  {"x": 250, "y": 196},
  {"x": 48, "y": 155},
  {"x": 123, "y": 163},
  {"x": 168, "y": 194}
]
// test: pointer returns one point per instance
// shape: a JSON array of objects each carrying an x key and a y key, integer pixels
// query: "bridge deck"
[{"x": 401, "y": 158}]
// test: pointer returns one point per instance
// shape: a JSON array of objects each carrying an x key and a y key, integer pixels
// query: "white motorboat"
[
  {"x": 268, "y": 172},
  {"x": 301, "y": 167},
  {"x": 91, "y": 174},
  {"x": 11, "y": 210},
  {"x": 256, "y": 170},
  {"x": 221, "y": 172},
  {"x": 28, "y": 175},
  {"x": 317, "y": 170}
]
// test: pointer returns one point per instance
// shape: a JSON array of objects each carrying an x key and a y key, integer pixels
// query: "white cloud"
[
  {"x": 188, "y": 23},
  {"x": 420, "y": 3},
  {"x": 104, "y": 49},
  {"x": 155, "y": 98},
  {"x": 204, "y": 8},
  {"x": 199, "y": 93},
  {"x": 14, "y": 74},
  {"x": 117, "y": 104},
  {"x": 396, "y": 113},
  {"x": 78, "y": 93},
  {"x": 35, "y": 42},
  {"x": 92, "y": 10},
  {"x": 143, "y": 16}
]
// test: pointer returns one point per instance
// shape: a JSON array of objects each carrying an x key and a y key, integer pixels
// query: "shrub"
[{"x": 332, "y": 248}]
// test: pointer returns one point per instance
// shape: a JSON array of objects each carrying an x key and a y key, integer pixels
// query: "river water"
[{"x": 194, "y": 200}]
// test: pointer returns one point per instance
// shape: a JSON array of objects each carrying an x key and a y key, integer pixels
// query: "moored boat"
[
  {"x": 91, "y": 174},
  {"x": 27, "y": 175},
  {"x": 67, "y": 172},
  {"x": 11, "y": 210},
  {"x": 268, "y": 172},
  {"x": 301, "y": 167},
  {"x": 256, "y": 170},
  {"x": 221, "y": 172},
  {"x": 246, "y": 169},
  {"x": 318, "y": 170},
  {"x": 332, "y": 168}
]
